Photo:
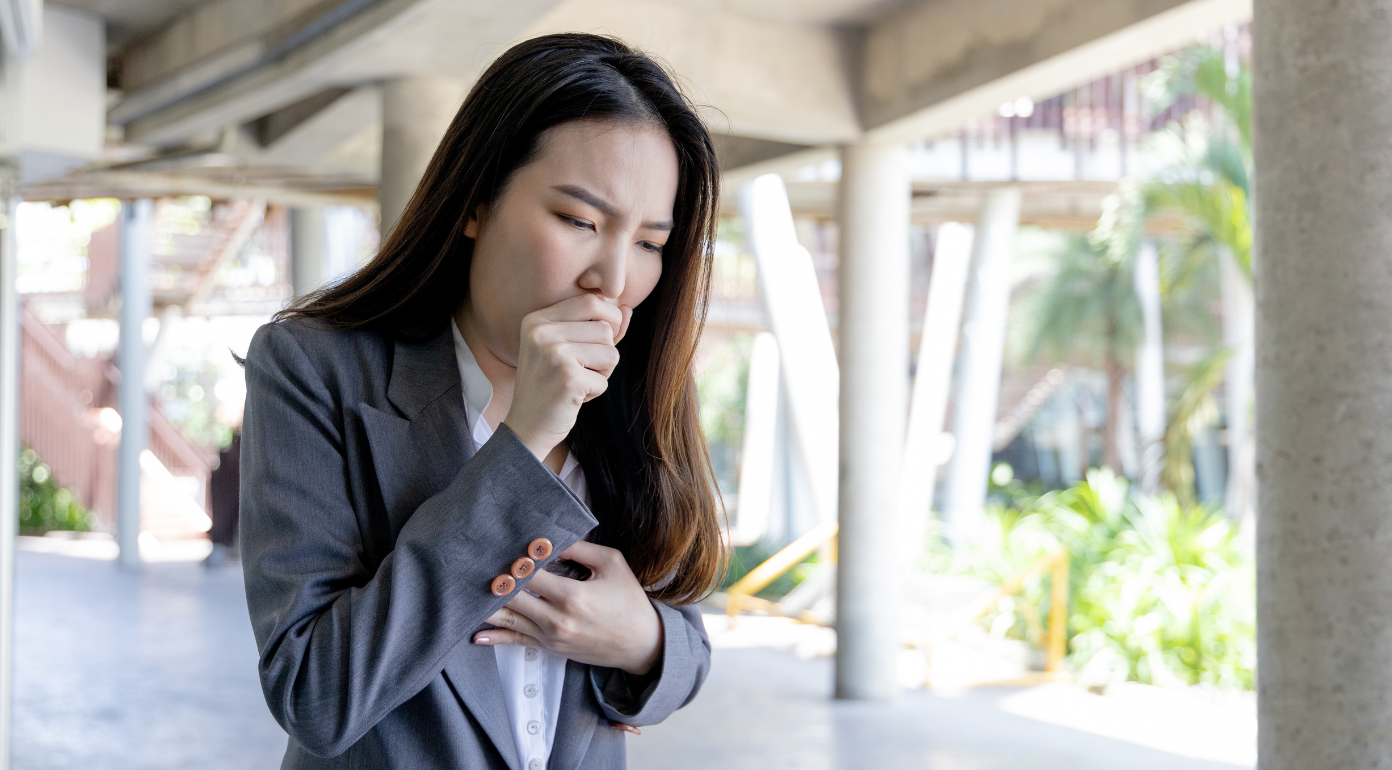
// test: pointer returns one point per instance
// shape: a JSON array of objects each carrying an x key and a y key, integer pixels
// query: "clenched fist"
[{"x": 566, "y": 356}]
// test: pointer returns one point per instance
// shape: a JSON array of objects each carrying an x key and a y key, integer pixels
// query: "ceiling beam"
[{"x": 931, "y": 66}]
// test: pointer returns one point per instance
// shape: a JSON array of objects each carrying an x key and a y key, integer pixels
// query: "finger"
[
  {"x": 554, "y": 589},
  {"x": 596, "y": 358},
  {"x": 598, "y": 558},
  {"x": 584, "y": 307},
  {"x": 623, "y": 325},
  {"x": 541, "y": 613},
  {"x": 625, "y": 728},
  {"x": 595, "y": 332},
  {"x": 510, "y": 619},
  {"x": 494, "y": 636}
]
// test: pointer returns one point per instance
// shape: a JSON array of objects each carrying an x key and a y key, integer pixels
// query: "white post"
[
  {"x": 134, "y": 403},
  {"x": 307, "y": 244},
  {"x": 977, "y": 385},
  {"x": 9, "y": 448},
  {"x": 1150, "y": 368},
  {"x": 416, "y": 112},
  {"x": 937, "y": 347},
  {"x": 793, "y": 299},
  {"x": 1322, "y": 117},
  {"x": 754, "y": 502},
  {"x": 1238, "y": 335},
  {"x": 873, "y": 330}
]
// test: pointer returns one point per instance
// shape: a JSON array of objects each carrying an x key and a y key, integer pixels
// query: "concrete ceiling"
[
  {"x": 290, "y": 84},
  {"x": 129, "y": 20}
]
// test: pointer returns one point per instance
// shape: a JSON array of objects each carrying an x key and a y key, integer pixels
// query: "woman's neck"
[{"x": 501, "y": 375}]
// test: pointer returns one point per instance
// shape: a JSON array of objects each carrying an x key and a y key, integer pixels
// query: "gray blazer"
[{"x": 370, "y": 533}]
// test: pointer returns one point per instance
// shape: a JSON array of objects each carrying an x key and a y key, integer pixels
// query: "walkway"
[{"x": 157, "y": 670}]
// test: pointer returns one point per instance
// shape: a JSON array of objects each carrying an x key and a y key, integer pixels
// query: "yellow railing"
[{"x": 740, "y": 595}]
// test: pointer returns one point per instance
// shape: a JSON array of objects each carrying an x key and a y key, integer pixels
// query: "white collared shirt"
[{"x": 532, "y": 677}]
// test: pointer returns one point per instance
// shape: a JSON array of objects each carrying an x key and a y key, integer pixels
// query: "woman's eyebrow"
[{"x": 603, "y": 206}]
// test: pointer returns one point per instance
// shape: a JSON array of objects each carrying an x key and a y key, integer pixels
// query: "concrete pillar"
[
  {"x": 1150, "y": 368},
  {"x": 793, "y": 300},
  {"x": 873, "y": 331},
  {"x": 1238, "y": 336},
  {"x": 415, "y": 114},
  {"x": 754, "y": 505},
  {"x": 977, "y": 385},
  {"x": 133, "y": 400},
  {"x": 1323, "y": 115},
  {"x": 308, "y": 264},
  {"x": 9, "y": 447},
  {"x": 942, "y": 325}
]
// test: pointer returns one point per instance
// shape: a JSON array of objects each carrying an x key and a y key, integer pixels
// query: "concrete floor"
[{"x": 157, "y": 670}]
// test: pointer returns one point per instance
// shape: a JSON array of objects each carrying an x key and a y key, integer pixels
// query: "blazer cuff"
[{"x": 649, "y": 699}]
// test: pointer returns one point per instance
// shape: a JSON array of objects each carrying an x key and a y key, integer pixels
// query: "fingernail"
[{"x": 481, "y": 640}]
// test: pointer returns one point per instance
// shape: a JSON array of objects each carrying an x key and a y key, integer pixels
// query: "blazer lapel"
[
  {"x": 416, "y": 452},
  {"x": 419, "y": 450},
  {"x": 472, "y": 671},
  {"x": 578, "y": 720}
]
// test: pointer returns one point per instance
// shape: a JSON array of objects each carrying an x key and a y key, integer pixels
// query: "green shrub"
[
  {"x": 43, "y": 505},
  {"x": 1160, "y": 593}
]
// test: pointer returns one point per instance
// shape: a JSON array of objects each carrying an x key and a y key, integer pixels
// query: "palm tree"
[
  {"x": 1208, "y": 183},
  {"x": 1088, "y": 306}
]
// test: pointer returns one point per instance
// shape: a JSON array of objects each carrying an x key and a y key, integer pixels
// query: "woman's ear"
[{"x": 471, "y": 228}]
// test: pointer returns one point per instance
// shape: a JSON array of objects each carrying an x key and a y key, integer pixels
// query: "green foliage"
[
  {"x": 1194, "y": 410},
  {"x": 43, "y": 505},
  {"x": 1161, "y": 593},
  {"x": 1088, "y": 305},
  {"x": 1207, "y": 179}
]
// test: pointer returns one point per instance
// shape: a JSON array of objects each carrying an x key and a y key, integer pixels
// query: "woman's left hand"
[{"x": 606, "y": 620}]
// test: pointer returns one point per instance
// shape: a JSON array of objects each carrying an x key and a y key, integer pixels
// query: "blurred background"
[{"x": 1062, "y": 342}]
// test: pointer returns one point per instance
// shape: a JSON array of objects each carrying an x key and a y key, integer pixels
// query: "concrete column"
[
  {"x": 977, "y": 385},
  {"x": 9, "y": 448},
  {"x": 1150, "y": 368},
  {"x": 415, "y": 114},
  {"x": 942, "y": 325},
  {"x": 1323, "y": 115},
  {"x": 793, "y": 301},
  {"x": 874, "y": 360},
  {"x": 1238, "y": 336},
  {"x": 133, "y": 400},
  {"x": 307, "y": 245}
]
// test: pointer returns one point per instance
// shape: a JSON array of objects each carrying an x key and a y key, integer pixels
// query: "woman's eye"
[
  {"x": 652, "y": 247},
  {"x": 577, "y": 223}
]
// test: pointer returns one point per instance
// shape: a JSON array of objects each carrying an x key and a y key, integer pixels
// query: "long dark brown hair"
[{"x": 640, "y": 443}]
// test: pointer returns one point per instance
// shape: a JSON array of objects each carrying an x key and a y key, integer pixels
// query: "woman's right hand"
[{"x": 566, "y": 355}]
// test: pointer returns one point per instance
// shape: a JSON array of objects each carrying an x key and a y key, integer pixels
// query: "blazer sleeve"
[
  {"x": 682, "y": 669},
  {"x": 342, "y": 645}
]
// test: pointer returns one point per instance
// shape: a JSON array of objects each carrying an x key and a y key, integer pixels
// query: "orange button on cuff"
[
  {"x": 522, "y": 567},
  {"x": 503, "y": 585},
  {"x": 539, "y": 549}
]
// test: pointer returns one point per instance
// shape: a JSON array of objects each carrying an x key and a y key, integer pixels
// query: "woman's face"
[{"x": 590, "y": 213}]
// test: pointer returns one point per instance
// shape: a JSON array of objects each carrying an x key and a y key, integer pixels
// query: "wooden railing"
[{"x": 66, "y": 415}]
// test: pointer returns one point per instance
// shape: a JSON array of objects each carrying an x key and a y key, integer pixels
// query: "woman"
[{"x": 504, "y": 392}]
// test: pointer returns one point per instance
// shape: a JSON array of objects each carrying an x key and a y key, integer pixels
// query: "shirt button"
[
  {"x": 531, "y": 690},
  {"x": 535, "y": 764},
  {"x": 533, "y": 727},
  {"x": 531, "y": 653}
]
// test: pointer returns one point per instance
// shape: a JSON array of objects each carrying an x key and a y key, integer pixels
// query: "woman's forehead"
[{"x": 625, "y": 164}]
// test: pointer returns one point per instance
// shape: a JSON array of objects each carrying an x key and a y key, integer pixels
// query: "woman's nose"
[{"x": 607, "y": 273}]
